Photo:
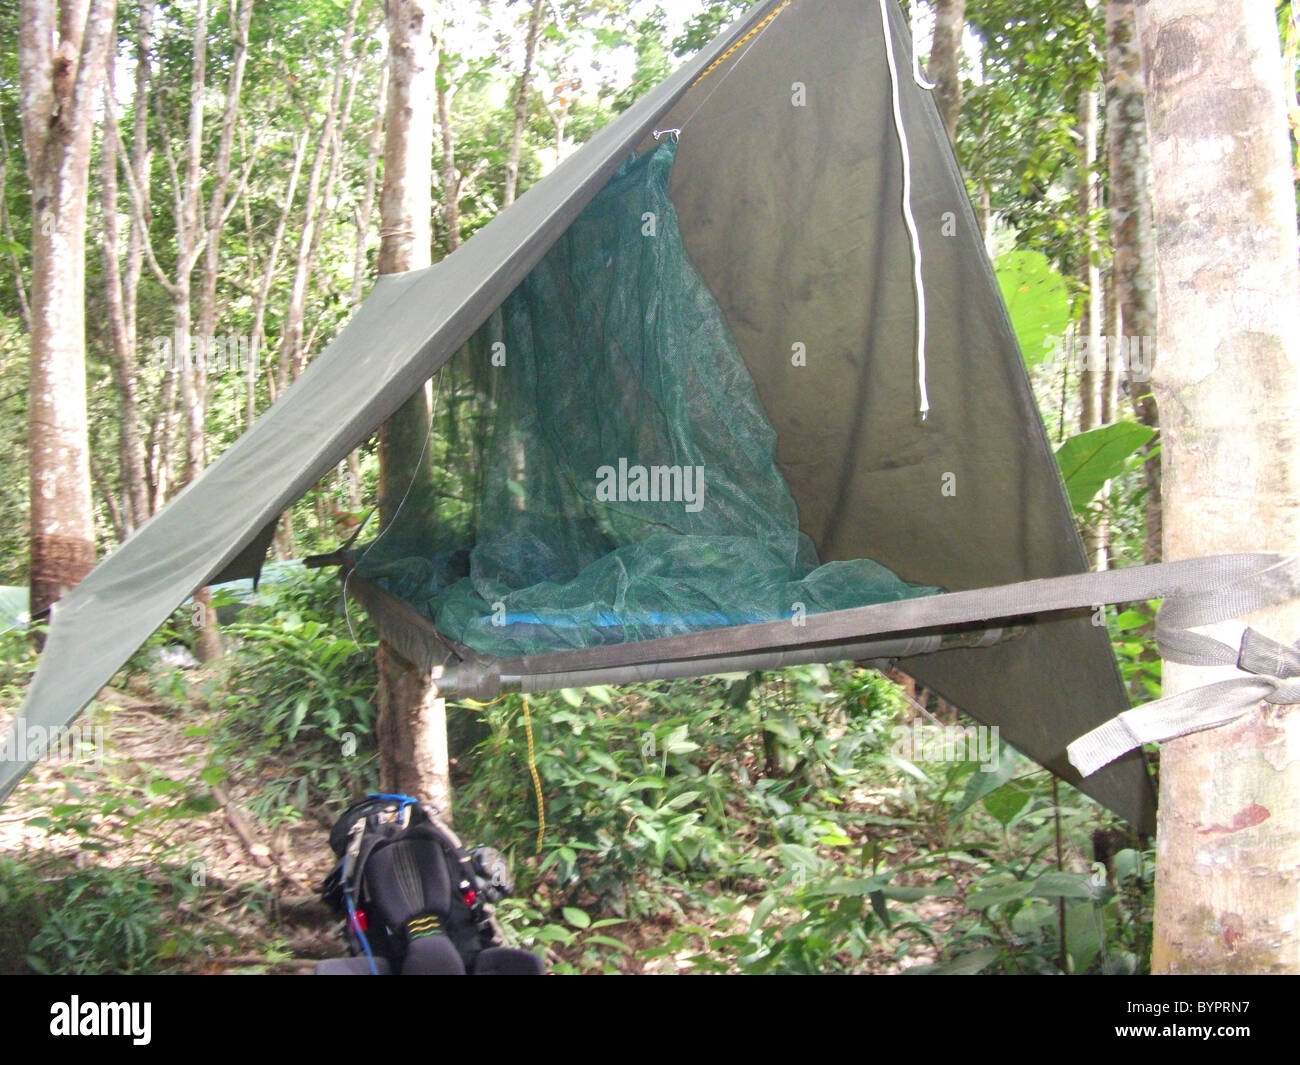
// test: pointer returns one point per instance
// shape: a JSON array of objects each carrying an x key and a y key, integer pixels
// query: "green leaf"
[
  {"x": 845, "y": 886},
  {"x": 833, "y": 837},
  {"x": 1131, "y": 619},
  {"x": 966, "y": 965},
  {"x": 783, "y": 727},
  {"x": 880, "y": 909},
  {"x": 1007, "y": 801},
  {"x": 763, "y": 911},
  {"x": 679, "y": 801},
  {"x": 1063, "y": 885},
  {"x": 1082, "y": 934},
  {"x": 1088, "y": 460},
  {"x": 981, "y": 784},
  {"x": 576, "y": 917},
  {"x": 1128, "y": 863},
  {"x": 996, "y": 896},
  {"x": 911, "y": 894},
  {"x": 1037, "y": 301}
]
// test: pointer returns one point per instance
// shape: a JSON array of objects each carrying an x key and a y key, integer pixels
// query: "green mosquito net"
[{"x": 604, "y": 467}]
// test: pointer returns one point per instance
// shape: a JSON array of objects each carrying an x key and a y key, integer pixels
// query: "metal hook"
[{"x": 675, "y": 132}]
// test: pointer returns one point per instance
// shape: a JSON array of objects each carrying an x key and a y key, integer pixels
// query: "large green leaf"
[
  {"x": 1007, "y": 801},
  {"x": 966, "y": 965},
  {"x": 982, "y": 783},
  {"x": 1036, "y": 300},
  {"x": 1088, "y": 460}
]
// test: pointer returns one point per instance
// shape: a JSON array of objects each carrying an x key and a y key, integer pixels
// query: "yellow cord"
[
  {"x": 482, "y": 706},
  {"x": 739, "y": 44},
  {"x": 537, "y": 781}
]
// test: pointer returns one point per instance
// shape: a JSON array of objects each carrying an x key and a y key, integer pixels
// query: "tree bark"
[
  {"x": 1089, "y": 271},
  {"x": 263, "y": 294},
  {"x": 412, "y": 723},
  {"x": 945, "y": 59},
  {"x": 291, "y": 339},
  {"x": 451, "y": 184},
  {"x": 1092, "y": 372},
  {"x": 1228, "y": 868},
  {"x": 367, "y": 208},
  {"x": 219, "y": 205},
  {"x": 122, "y": 331},
  {"x": 521, "y": 103},
  {"x": 1132, "y": 239},
  {"x": 62, "y": 50}
]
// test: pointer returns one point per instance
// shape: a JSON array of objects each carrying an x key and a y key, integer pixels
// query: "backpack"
[{"x": 414, "y": 900}]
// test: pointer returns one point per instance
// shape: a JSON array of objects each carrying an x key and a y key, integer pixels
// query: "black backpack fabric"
[{"x": 414, "y": 900}]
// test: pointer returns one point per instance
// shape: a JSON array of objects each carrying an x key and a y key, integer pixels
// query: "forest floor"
[
  {"x": 232, "y": 894},
  {"x": 140, "y": 803}
]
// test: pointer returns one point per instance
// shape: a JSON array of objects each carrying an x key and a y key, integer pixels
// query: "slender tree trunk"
[
  {"x": 521, "y": 103},
  {"x": 219, "y": 205},
  {"x": 291, "y": 335},
  {"x": 7, "y": 228},
  {"x": 62, "y": 50},
  {"x": 945, "y": 58},
  {"x": 1089, "y": 271},
  {"x": 1092, "y": 370},
  {"x": 189, "y": 201},
  {"x": 412, "y": 722},
  {"x": 1132, "y": 274},
  {"x": 451, "y": 185},
  {"x": 262, "y": 297},
  {"x": 1228, "y": 869},
  {"x": 191, "y": 351},
  {"x": 121, "y": 330},
  {"x": 366, "y": 210}
]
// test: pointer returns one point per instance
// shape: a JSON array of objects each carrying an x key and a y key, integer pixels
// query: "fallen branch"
[{"x": 259, "y": 852}]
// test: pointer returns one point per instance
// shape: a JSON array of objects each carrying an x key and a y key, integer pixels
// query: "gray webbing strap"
[
  {"x": 1213, "y": 588},
  {"x": 1199, "y": 591},
  {"x": 1267, "y": 667}
]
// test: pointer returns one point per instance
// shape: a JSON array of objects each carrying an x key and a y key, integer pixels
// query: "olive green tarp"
[{"x": 787, "y": 187}]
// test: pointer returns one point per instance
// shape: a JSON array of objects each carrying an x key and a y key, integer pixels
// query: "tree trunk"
[
  {"x": 1092, "y": 371},
  {"x": 122, "y": 331},
  {"x": 7, "y": 228},
  {"x": 1131, "y": 236},
  {"x": 367, "y": 208},
  {"x": 412, "y": 722},
  {"x": 291, "y": 333},
  {"x": 191, "y": 351},
  {"x": 263, "y": 295},
  {"x": 521, "y": 103},
  {"x": 1228, "y": 869},
  {"x": 219, "y": 205},
  {"x": 945, "y": 58},
  {"x": 1089, "y": 272},
  {"x": 62, "y": 50},
  {"x": 450, "y": 176}
]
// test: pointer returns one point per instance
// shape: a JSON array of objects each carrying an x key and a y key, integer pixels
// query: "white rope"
[
  {"x": 726, "y": 74},
  {"x": 917, "y": 76},
  {"x": 923, "y": 407}
]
